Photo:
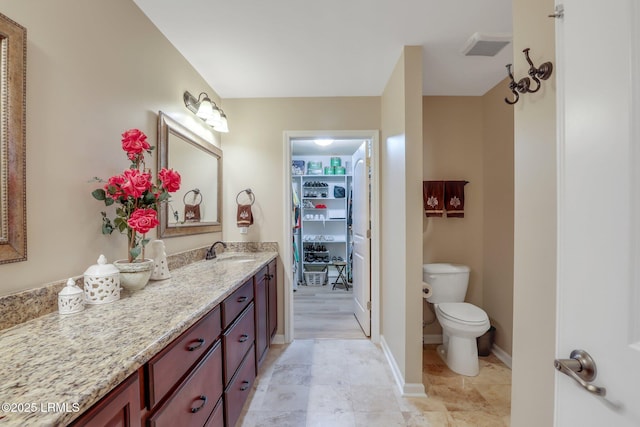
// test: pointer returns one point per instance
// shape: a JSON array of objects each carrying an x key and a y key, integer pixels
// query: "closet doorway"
[{"x": 331, "y": 286}]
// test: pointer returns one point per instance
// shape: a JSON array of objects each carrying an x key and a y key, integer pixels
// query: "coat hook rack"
[
  {"x": 524, "y": 85},
  {"x": 537, "y": 74}
]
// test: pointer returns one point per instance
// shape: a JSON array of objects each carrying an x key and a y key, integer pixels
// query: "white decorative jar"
[
  {"x": 70, "y": 298},
  {"x": 159, "y": 256},
  {"x": 101, "y": 283}
]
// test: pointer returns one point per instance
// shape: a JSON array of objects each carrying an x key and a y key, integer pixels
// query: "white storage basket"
[{"x": 315, "y": 278}]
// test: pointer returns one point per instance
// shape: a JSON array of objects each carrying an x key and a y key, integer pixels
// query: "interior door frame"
[{"x": 374, "y": 136}]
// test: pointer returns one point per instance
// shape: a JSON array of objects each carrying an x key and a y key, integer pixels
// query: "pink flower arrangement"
[{"x": 136, "y": 192}]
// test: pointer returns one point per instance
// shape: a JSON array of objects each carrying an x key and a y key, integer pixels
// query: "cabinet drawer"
[
  {"x": 236, "y": 302},
  {"x": 193, "y": 401},
  {"x": 236, "y": 341},
  {"x": 167, "y": 367},
  {"x": 217, "y": 418},
  {"x": 239, "y": 389}
]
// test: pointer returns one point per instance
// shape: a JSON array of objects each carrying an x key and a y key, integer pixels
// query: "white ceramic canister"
[
  {"x": 159, "y": 255},
  {"x": 101, "y": 282},
  {"x": 70, "y": 298}
]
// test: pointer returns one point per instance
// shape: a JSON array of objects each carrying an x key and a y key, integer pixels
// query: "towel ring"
[
  {"x": 196, "y": 193},
  {"x": 250, "y": 193}
]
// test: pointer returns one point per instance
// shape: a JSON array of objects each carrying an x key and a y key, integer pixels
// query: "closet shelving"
[{"x": 324, "y": 231}]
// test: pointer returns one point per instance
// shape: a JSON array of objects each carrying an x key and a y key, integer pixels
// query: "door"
[
  {"x": 598, "y": 214},
  {"x": 361, "y": 266}
]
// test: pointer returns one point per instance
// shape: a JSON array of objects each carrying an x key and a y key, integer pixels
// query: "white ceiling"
[{"x": 300, "y": 48}]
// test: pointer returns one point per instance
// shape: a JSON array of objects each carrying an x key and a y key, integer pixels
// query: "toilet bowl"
[{"x": 461, "y": 322}]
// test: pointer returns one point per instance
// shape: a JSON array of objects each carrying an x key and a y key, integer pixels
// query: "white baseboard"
[
  {"x": 502, "y": 355},
  {"x": 406, "y": 389},
  {"x": 277, "y": 339},
  {"x": 432, "y": 339}
]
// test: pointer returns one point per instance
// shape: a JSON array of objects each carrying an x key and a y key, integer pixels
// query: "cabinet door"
[
  {"x": 272, "y": 285},
  {"x": 121, "y": 407},
  {"x": 262, "y": 314}
]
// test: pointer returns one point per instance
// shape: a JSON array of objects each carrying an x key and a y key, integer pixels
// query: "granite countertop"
[{"x": 55, "y": 367}]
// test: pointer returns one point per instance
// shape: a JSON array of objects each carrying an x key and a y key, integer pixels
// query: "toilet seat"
[{"x": 463, "y": 312}]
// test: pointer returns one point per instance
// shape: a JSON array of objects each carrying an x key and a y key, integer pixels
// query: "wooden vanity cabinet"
[
  {"x": 238, "y": 342},
  {"x": 261, "y": 296},
  {"x": 266, "y": 301},
  {"x": 121, "y": 407},
  {"x": 203, "y": 377},
  {"x": 272, "y": 286}
]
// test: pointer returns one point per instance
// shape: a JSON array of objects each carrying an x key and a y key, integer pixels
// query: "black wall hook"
[
  {"x": 524, "y": 84},
  {"x": 537, "y": 74}
]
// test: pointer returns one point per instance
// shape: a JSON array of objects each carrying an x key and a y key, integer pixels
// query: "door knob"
[{"x": 581, "y": 367}]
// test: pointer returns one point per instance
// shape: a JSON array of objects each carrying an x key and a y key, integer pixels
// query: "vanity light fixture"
[{"x": 207, "y": 110}]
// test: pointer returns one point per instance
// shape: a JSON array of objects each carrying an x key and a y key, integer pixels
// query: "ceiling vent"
[{"x": 480, "y": 44}]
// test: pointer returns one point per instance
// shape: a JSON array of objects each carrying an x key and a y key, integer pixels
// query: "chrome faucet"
[{"x": 211, "y": 253}]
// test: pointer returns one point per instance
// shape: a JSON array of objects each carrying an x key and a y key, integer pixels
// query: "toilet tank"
[{"x": 449, "y": 282}]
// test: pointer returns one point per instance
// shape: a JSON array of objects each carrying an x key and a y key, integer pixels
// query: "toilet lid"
[{"x": 463, "y": 312}]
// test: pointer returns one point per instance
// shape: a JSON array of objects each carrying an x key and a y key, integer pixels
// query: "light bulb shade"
[
  {"x": 222, "y": 126},
  {"x": 215, "y": 117},
  {"x": 205, "y": 110}
]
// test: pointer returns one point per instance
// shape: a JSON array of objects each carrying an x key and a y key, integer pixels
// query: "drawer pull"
[
  {"x": 245, "y": 385},
  {"x": 242, "y": 299},
  {"x": 196, "y": 346},
  {"x": 243, "y": 338},
  {"x": 204, "y": 402}
]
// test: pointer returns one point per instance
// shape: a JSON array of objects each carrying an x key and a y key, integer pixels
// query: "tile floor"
[
  {"x": 347, "y": 382},
  {"x": 324, "y": 312},
  {"x": 332, "y": 376}
]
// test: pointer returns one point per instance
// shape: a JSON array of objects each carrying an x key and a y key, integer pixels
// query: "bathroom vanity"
[{"x": 184, "y": 350}]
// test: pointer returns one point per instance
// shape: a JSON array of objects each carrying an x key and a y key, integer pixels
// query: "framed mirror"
[
  {"x": 13, "y": 195},
  {"x": 196, "y": 208}
]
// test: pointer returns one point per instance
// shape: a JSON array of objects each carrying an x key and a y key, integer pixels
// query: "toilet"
[{"x": 461, "y": 322}]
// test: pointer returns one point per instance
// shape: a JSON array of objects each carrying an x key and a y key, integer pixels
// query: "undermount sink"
[{"x": 235, "y": 258}]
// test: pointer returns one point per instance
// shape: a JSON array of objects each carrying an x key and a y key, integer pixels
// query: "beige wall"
[
  {"x": 532, "y": 396},
  {"x": 497, "y": 240},
  {"x": 497, "y": 227},
  {"x": 401, "y": 211},
  {"x": 254, "y": 157},
  {"x": 94, "y": 69},
  {"x": 471, "y": 138},
  {"x": 453, "y": 150}
]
